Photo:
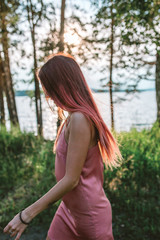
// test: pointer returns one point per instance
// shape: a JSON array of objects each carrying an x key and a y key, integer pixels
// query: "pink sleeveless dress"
[{"x": 85, "y": 212}]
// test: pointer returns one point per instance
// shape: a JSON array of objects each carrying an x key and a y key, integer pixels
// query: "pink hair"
[{"x": 63, "y": 81}]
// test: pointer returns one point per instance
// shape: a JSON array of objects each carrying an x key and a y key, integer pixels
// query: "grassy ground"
[{"x": 27, "y": 172}]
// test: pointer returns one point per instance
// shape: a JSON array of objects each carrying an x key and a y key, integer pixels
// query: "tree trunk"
[
  {"x": 8, "y": 79},
  {"x": 61, "y": 34},
  {"x": 61, "y": 44},
  {"x": 158, "y": 86},
  {"x": 111, "y": 68},
  {"x": 37, "y": 88},
  {"x": 2, "y": 112},
  {"x": 32, "y": 23}
]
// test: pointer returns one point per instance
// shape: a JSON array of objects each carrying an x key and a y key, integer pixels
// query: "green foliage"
[
  {"x": 133, "y": 189},
  {"x": 15, "y": 157},
  {"x": 27, "y": 173}
]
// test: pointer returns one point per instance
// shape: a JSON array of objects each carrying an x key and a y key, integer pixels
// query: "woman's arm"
[
  {"x": 66, "y": 184},
  {"x": 78, "y": 143}
]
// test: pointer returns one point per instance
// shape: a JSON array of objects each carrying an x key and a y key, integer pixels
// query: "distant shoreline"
[{"x": 21, "y": 93}]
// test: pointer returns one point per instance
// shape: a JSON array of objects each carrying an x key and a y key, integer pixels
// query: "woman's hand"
[{"x": 16, "y": 227}]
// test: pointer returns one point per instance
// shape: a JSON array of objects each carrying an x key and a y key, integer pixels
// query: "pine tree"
[
  {"x": 2, "y": 112},
  {"x": 8, "y": 17},
  {"x": 61, "y": 44},
  {"x": 34, "y": 16},
  {"x": 141, "y": 20}
]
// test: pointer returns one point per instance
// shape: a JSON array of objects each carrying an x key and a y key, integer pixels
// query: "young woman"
[{"x": 82, "y": 144}]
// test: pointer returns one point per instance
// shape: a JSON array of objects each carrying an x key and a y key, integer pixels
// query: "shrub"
[{"x": 133, "y": 188}]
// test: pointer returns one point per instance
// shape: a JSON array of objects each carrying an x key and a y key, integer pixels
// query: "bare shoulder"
[
  {"x": 78, "y": 126},
  {"x": 79, "y": 121}
]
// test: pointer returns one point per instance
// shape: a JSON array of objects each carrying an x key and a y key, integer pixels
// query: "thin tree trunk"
[
  {"x": 61, "y": 34},
  {"x": 8, "y": 79},
  {"x": 2, "y": 112},
  {"x": 61, "y": 45},
  {"x": 38, "y": 102},
  {"x": 37, "y": 89},
  {"x": 158, "y": 86},
  {"x": 111, "y": 68}
]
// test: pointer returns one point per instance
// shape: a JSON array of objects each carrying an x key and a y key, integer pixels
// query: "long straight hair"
[{"x": 63, "y": 82}]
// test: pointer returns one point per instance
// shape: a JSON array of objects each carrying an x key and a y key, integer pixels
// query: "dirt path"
[{"x": 35, "y": 233}]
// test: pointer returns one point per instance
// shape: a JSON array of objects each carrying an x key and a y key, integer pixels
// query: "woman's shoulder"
[
  {"x": 78, "y": 119},
  {"x": 78, "y": 115}
]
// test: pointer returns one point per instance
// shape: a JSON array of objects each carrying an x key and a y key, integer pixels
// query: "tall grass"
[
  {"x": 134, "y": 188},
  {"x": 27, "y": 172}
]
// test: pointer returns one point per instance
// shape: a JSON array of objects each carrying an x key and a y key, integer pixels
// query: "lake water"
[{"x": 138, "y": 110}]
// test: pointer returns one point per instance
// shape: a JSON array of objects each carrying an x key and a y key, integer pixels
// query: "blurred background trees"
[
  {"x": 8, "y": 21},
  {"x": 120, "y": 39},
  {"x": 142, "y": 27},
  {"x": 119, "y": 33}
]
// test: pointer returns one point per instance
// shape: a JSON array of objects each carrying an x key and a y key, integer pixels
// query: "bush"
[
  {"x": 133, "y": 188},
  {"x": 27, "y": 173}
]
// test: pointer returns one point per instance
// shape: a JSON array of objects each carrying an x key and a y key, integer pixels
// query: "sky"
[{"x": 92, "y": 77}]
